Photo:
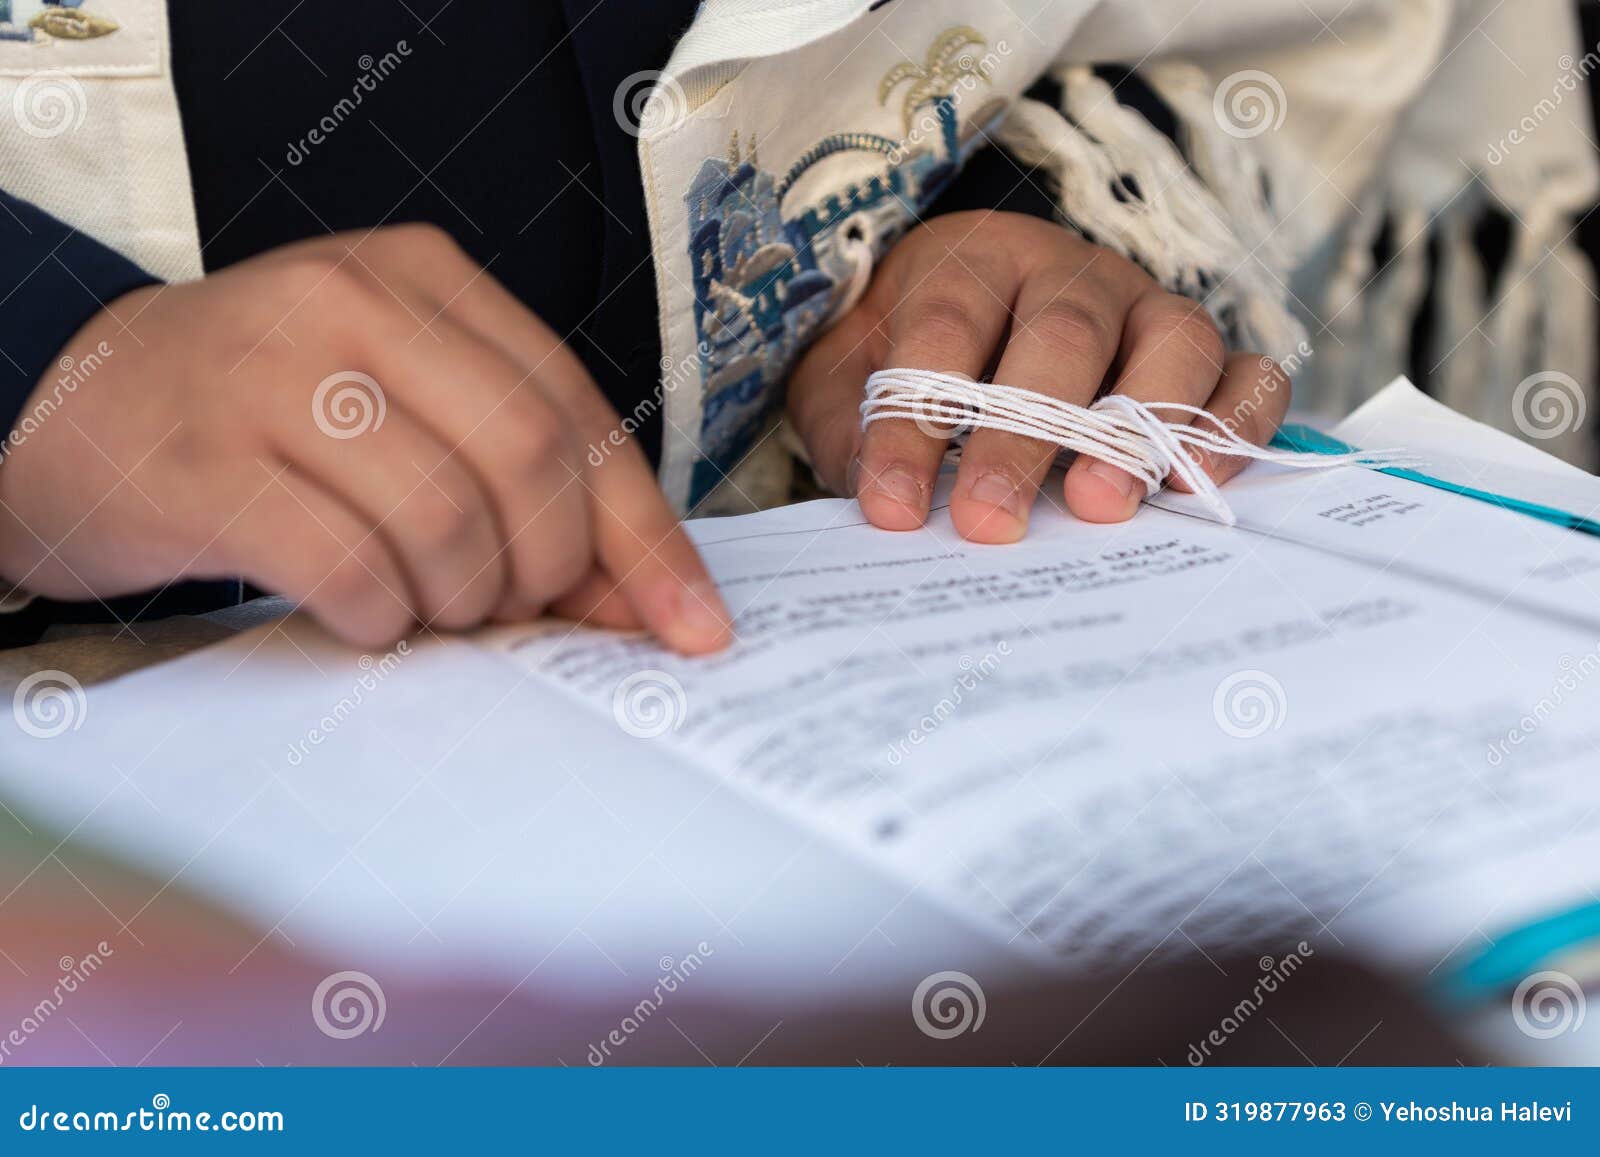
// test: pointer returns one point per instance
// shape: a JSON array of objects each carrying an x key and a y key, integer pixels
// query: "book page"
[
  {"x": 1106, "y": 742},
  {"x": 434, "y": 812},
  {"x": 1100, "y": 743},
  {"x": 1403, "y": 527}
]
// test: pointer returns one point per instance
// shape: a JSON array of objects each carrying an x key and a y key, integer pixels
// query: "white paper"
[
  {"x": 459, "y": 820},
  {"x": 920, "y": 754},
  {"x": 1056, "y": 738},
  {"x": 1396, "y": 526}
]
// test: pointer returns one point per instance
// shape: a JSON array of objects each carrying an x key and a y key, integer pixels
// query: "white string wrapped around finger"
[{"x": 1127, "y": 433}]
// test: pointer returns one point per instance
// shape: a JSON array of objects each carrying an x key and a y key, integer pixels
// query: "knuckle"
[
  {"x": 1069, "y": 328},
  {"x": 339, "y": 300},
  {"x": 1267, "y": 396},
  {"x": 439, "y": 522},
  {"x": 422, "y": 237},
  {"x": 1107, "y": 267},
  {"x": 322, "y": 271},
  {"x": 545, "y": 570},
  {"x": 369, "y": 621},
  {"x": 1193, "y": 326},
  {"x": 539, "y": 439},
  {"x": 961, "y": 223},
  {"x": 567, "y": 568},
  {"x": 944, "y": 323},
  {"x": 349, "y": 577},
  {"x": 586, "y": 417},
  {"x": 980, "y": 229},
  {"x": 834, "y": 444},
  {"x": 1275, "y": 381}
]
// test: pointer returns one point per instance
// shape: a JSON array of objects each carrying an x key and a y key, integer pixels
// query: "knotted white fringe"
[
  {"x": 1176, "y": 228},
  {"x": 1203, "y": 224},
  {"x": 1127, "y": 433}
]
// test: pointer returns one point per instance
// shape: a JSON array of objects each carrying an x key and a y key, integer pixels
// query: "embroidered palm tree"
[{"x": 950, "y": 58}]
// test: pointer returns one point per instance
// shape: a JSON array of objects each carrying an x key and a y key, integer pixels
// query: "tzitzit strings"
[{"x": 1128, "y": 434}]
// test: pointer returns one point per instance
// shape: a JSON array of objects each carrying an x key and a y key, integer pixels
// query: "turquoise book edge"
[
  {"x": 1516, "y": 954},
  {"x": 1307, "y": 440}
]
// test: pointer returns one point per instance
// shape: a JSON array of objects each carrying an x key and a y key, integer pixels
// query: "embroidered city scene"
[
  {"x": 769, "y": 272},
  {"x": 44, "y": 21}
]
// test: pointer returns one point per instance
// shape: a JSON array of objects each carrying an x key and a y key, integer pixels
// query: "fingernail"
[
  {"x": 1121, "y": 481},
  {"x": 900, "y": 485},
  {"x": 701, "y": 612},
  {"x": 999, "y": 490}
]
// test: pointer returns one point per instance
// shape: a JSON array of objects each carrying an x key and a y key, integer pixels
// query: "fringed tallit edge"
[
  {"x": 1125, "y": 185},
  {"x": 1201, "y": 221}
]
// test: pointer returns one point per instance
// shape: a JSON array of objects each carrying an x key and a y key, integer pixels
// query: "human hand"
[
  {"x": 368, "y": 424},
  {"x": 1045, "y": 310}
]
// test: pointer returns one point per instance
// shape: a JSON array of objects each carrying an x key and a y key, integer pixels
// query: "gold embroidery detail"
[
  {"x": 72, "y": 24},
  {"x": 952, "y": 56}
]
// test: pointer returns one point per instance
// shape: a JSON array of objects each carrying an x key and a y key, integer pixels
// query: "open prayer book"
[{"x": 1364, "y": 717}]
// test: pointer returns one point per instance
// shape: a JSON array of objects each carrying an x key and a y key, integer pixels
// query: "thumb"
[{"x": 826, "y": 388}]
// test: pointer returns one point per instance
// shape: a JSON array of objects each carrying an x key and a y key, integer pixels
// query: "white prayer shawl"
[{"x": 802, "y": 137}]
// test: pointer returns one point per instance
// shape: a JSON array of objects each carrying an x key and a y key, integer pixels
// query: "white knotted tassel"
[
  {"x": 1175, "y": 228},
  {"x": 1126, "y": 433}
]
